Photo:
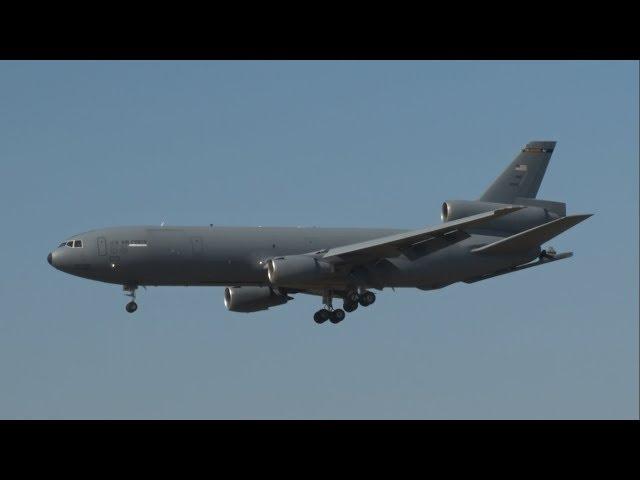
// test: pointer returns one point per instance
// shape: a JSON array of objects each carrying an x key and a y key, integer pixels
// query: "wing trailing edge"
[{"x": 391, "y": 245}]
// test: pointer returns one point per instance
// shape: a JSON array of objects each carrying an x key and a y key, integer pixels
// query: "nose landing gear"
[{"x": 132, "y": 306}]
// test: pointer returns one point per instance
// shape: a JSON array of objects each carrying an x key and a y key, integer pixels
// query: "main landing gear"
[
  {"x": 132, "y": 306},
  {"x": 328, "y": 313},
  {"x": 366, "y": 298},
  {"x": 335, "y": 316},
  {"x": 351, "y": 301}
]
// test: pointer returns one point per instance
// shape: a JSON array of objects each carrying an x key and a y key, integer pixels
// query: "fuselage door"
[{"x": 102, "y": 246}]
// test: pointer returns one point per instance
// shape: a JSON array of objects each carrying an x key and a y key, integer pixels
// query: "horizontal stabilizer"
[
  {"x": 533, "y": 237},
  {"x": 541, "y": 261}
]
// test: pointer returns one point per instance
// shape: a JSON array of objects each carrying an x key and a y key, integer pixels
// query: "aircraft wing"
[{"x": 392, "y": 245}]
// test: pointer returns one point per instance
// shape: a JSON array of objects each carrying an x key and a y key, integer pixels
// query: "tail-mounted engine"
[{"x": 536, "y": 212}]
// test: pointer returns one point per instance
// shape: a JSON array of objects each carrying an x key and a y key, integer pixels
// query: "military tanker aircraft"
[{"x": 263, "y": 267}]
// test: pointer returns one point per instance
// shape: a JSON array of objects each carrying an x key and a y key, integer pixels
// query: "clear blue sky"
[{"x": 91, "y": 144}]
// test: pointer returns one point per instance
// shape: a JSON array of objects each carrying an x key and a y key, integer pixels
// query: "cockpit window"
[{"x": 72, "y": 244}]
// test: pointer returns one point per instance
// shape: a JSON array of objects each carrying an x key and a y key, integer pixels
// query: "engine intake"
[
  {"x": 455, "y": 209},
  {"x": 252, "y": 299}
]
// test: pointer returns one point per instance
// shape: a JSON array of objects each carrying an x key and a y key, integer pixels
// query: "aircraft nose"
[{"x": 49, "y": 259}]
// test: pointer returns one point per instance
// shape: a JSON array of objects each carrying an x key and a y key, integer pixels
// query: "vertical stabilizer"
[{"x": 522, "y": 178}]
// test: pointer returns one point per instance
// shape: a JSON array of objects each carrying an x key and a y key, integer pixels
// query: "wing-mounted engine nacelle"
[
  {"x": 252, "y": 299},
  {"x": 529, "y": 217},
  {"x": 298, "y": 270}
]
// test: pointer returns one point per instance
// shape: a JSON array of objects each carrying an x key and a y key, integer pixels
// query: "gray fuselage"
[{"x": 235, "y": 256}]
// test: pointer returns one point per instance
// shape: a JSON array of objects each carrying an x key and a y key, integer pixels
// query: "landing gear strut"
[{"x": 132, "y": 306}]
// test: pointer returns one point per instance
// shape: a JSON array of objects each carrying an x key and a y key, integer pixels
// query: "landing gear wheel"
[
  {"x": 367, "y": 298},
  {"x": 321, "y": 316},
  {"x": 351, "y": 297},
  {"x": 131, "y": 307},
  {"x": 350, "y": 307},
  {"x": 337, "y": 316}
]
